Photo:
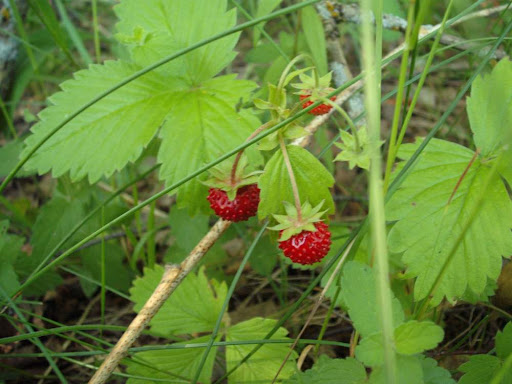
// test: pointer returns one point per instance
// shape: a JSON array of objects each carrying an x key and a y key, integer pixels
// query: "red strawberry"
[
  {"x": 243, "y": 206},
  {"x": 322, "y": 109},
  {"x": 308, "y": 247}
]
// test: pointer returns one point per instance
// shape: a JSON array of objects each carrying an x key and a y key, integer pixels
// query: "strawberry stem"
[
  {"x": 239, "y": 154},
  {"x": 289, "y": 168}
]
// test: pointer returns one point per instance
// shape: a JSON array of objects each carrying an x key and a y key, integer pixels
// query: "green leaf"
[
  {"x": 264, "y": 257},
  {"x": 9, "y": 155},
  {"x": 10, "y": 250},
  {"x": 188, "y": 231},
  {"x": 263, "y": 365},
  {"x": 409, "y": 371},
  {"x": 479, "y": 369},
  {"x": 203, "y": 125},
  {"x": 359, "y": 293},
  {"x": 264, "y": 8},
  {"x": 169, "y": 26},
  {"x": 193, "y": 307},
  {"x": 428, "y": 226},
  {"x": 489, "y": 109},
  {"x": 370, "y": 350},
  {"x": 331, "y": 371},
  {"x": 106, "y": 136},
  {"x": 415, "y": 337},
  {"x": 54, "y": 221},
  {"x": 315, "y": 38},
  {"x": 181, "y": 364},
  {"x": 117, "y": 274},
  {"x": 411, "y": 338},
  {"x": 504, "y": 342},
  {"x": 434, "y": 374},
  {"x": 313, "y": 182}
]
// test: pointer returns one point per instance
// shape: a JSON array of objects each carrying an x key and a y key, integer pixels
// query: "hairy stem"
[
  {"x": 289, "y": 168},
  {"x": 239, "y": 154}
]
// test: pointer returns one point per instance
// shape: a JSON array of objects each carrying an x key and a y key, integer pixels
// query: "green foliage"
[
  {"x": 117, "y": 275},
  {"x": 196, "y": 113},
  {"x": 331, "y": 371},
  {"x": 109, "y": 134},
  {"x": 434, "y": 374},
  {"x": 193, "y": 307},
  {"x": 313, "y": 182},
  {"x": 180, "y": 364},
  {"x": 203, "y": 125},
  {"x": 409, "y": 371},
  {"x": 479, "y": 369},
  {"x": 264, "y": 8},
  {"x": 415, "y": 337},
  {"x": 359, "y": 295},
  {"x": 483, "y": 368},
  {"x": 157, "y": 28},
  {"x": 430, "y": 220},
  {"x": 9, "y": 154},
  {"x": 489, "y": 109},
  {"x": 263, "y": 365},
  {"x": 10, "y": 251},
  {"x": 315, "y": 37}
]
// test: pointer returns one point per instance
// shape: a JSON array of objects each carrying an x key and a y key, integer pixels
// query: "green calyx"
[
  {"x": 314, "y": 88},
  {"x": 355, "y": 150},
  {"x": 292, "y": 225},
  {"x": 221, "y": 177}
]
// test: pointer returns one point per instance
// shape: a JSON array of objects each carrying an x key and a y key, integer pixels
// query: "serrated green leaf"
[
  {"x": 181, "y": 364},
  {"x": 409, "y": 371},
  {"x": 193, "y": 307},
  {"x": 203, "y": 125},
  {"x": 359, "y": 293},
  {"x": 315, "y": 38},
  {"x": 331, "y": 371},
  {"x": 108, "y": 135},
  {"x": 415, "y": 337},
  {"x": 313, "y": 182},
  {"x": 263, "y": 365},
  {"x": 434, "y": 374},
  {"x": 504, "y": 342},
  {"x": 489, "y": 109},
  {"x": 173, "y": 25},
  {"x": 428, "y": 226},
  {"x": 479, "y": 369}
]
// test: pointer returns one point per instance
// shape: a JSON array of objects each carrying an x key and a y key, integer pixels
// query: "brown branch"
[{"x": 171, "y": 279}]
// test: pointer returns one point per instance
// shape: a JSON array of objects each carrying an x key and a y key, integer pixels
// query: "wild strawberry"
[
  {"x": 308, "y": 247},
  {"x": 314, "y": 89},
  {"x": 322, "y": 109},
  {"x": 234, "y": 194},
  {"x": 241, "y": 208},
  {"x": 303, "y": 237}
]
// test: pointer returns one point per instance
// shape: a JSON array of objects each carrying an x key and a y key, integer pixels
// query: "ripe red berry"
[
  {"x": 244, "y": 205},
  {"x": 308, "y": 247},
  {"x": 322, "y": 109}
]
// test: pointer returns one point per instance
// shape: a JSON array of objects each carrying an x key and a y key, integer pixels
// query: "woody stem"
[
  {"x": 239, "y": 154},
  {"x": 289, "y": 168}
]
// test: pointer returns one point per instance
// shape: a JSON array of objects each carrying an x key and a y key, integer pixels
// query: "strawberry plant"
[{"x": 221, "y": 201}]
